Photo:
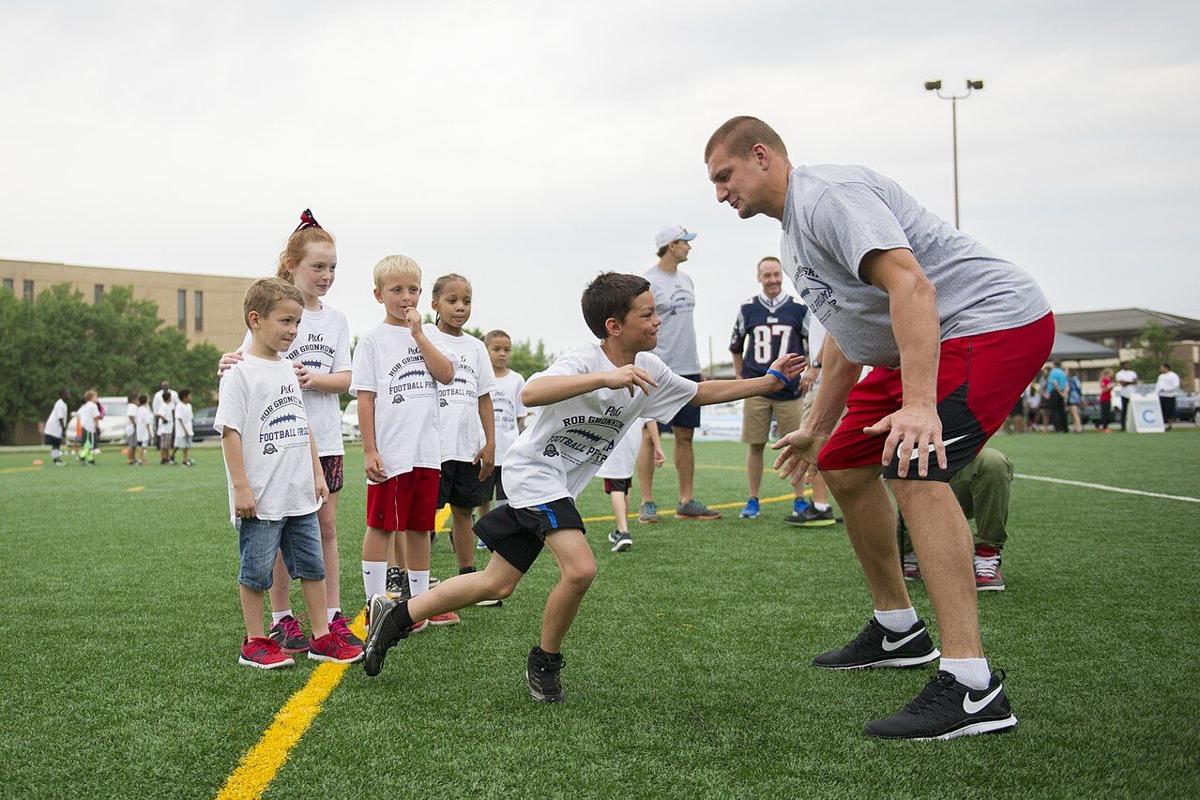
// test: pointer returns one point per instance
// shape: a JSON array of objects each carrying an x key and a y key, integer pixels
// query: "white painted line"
[{"x": 1104, "y": 488}]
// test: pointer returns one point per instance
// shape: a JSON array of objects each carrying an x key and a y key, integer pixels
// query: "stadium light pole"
[{"x": 936, "y": 86}]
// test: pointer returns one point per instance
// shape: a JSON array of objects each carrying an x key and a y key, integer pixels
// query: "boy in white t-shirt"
[
  {"x": 183, "y": 425},
  {"x": 55, "y": 429},
  {"x": 164, "y": 414},
  {"x": 144, "y": 423},
  {"x": 617, "y": 473},
  {"x": 131, "y": 444},
  {"x": 276, "y": 483},
  {"x": 396, "y": 371},
  {"x": 510, "y": 412},
  {"x": 89, "y": 414},
  {"x": 592, "y": 396}
]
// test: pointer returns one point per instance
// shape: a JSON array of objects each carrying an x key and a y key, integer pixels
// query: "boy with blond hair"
[
  {"x": 276, "y": 483},
  {"x": 396, "y": 369},
  {"x": 592, "y": 397}
]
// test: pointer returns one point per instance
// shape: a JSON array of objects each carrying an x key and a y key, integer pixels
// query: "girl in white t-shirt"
[
  {"x": 466, "y": 418},
  {"x": 89, "y": 415},
  {"x": 320, "y": 356},
  {"x": 143, "y": 421}
]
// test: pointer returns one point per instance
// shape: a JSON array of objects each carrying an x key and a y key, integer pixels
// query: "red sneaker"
[
  {"x": 262, "y": 653},
  {"x": 449, "y": 618},
  {"x": 330, "y": 647},
  {"x": 419, "y": 626},
  {"x": 341, "y": 626},
  {"x": 988, "y": 577}
]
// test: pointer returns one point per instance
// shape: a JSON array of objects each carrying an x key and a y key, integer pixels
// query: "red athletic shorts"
[
  {"x": 405, "y": 502},
  {"x": 979, "y": 380}
]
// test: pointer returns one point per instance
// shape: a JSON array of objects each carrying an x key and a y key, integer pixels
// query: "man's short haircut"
[
  {"x": 662, "y": 251},
  {"x": 610, "y": 295},
  {"x": 758, "y": 266},
  {"x": 740, "y": 134},
  {"x": 143, "y": 399},
  {"x": 1166, "y": 364},
  {"x": 395, "y": 268},
  {"x": 496, "y": 334},
  {"x": 266, "y": 293}
]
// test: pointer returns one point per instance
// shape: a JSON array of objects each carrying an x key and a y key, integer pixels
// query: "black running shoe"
[
  {"x": 946, "y": 709},
  {"x": 383, "y": 632},
  {"x": 876, "y": 646},
  {"x": 818, "y": 519},
  {"x": 395, "y": 581},
  {"x": 541, "y": 673}
]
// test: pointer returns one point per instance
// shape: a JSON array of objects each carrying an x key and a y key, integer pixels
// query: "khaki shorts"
[{"x": 758, "y": 411}]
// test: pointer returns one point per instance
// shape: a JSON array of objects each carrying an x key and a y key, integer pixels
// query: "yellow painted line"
[
  {"x": 262, "y": 762},
  {"x": 136, "y": 489},
  {"x": 778, "y": 499},
  {"x": 7, "y": 470}
]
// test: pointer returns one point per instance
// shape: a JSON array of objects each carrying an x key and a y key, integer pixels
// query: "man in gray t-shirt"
[
  {"x": 675, "y": 302},
  {"x": 954, "y": 334}
]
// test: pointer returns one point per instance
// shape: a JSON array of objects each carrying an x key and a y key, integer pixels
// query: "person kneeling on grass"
[
  {"x": 592, "y": 396},
  {"x": 982, "y": 490},
  {"x": 276, "y": 483}
]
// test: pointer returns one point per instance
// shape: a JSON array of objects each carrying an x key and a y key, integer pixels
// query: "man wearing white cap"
[{"x": 675, "y": 301}]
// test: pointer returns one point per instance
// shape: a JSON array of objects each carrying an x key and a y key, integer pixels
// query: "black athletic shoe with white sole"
[
  {"x": 383, "y": 631},
  {"x": 947, "y": 709},
  {"x": 542, "y": 674},
  {"x": 876, "y": 646}
]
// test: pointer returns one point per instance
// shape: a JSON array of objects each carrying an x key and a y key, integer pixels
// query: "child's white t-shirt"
[
  {"x": 143, "y": 419},
  {"x": 508, "y": 408},
  {"x": 260, "y": 399},
  {"x": 183, "y": 421},
  {"x": 58, "y": 418},
  {"x": 621, "y": 462},
  {"x": 570, "y": 440},
  {"x": 459, "y": 427},
  {"x": 166, "y": 415},
  {"x": 388, "y": 361},
  {"x": 322, "y": 344},
  {"x": 130, "y": 420},
  {"x": 88, "y": 413}
]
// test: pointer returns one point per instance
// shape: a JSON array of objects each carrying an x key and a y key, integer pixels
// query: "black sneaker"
[
  {"x": 818, "y": 519},
  {"x": 395, "y": 582},
  {"x": 876, "y": 646},
  {"x": 620, "y": 540},
  {"x": 288, "y": 634},
  {"x": 947, "y": 709},
  {"x": 383, "y": 631},
  {"x": 541, "y": 673}
]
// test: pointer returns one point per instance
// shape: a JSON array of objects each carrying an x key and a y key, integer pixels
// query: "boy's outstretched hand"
[
  {"x": 631, "y": 378},
  {"x": 791, "y": 365}
]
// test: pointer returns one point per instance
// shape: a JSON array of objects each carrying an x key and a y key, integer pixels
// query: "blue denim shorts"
[{"x": 299, "y": 539}]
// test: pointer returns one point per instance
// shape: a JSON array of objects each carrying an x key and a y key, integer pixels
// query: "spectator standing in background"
[
  {"x": 1056, "y": 395},
  {"x": 1127, "y": 379},
  {"x": 1074, "y": 398},
  {"x": 1167, "y": 388},
  {"x": 1106, "y": 390}
]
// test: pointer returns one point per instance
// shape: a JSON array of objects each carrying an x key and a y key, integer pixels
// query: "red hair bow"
[{"x": 307, "y": 220}]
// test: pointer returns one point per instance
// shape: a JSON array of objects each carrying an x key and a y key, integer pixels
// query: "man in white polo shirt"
[{"x": 675, "y": 301}]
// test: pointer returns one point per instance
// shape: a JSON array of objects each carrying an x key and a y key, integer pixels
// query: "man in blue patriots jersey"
[{"x": 768, "y": 325}]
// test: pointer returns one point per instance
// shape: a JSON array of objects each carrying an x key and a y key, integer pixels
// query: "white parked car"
[
  {"x": 112, "y": 424},
  {"x": 350, "y": 422}
]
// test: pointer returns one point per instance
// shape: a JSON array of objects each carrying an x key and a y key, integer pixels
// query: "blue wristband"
[{"x": 779, "y": 375}]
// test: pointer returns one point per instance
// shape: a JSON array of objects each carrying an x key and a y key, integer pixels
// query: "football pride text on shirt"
[
  {"x": 288, "y": 399},
  {"x": 595, "y": 446},
  {"x": 421, "y": 383},
  {"x": 462, "y": 389}
]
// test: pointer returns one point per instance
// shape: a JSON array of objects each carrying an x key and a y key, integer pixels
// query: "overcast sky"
[{"x": 530, "y": 145}]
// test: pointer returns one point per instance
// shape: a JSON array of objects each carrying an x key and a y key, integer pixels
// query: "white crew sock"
[
  {"x": 821, "y": 506},
  {"x": 971, "y": 672},
  {"x": 56, "y": 454},
  {"x": 276, "y": 616},
  {"x": 418, "y": 581},
  {"x": 374, "y": 578},
  {"x": 329, "y": 612},
  {"x": 898, "y": 620}
]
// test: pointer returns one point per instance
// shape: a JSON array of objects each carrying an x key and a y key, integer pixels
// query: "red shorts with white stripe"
[
  {"x": 404, "y": 502},
  {"x": 979, "y": 379}
]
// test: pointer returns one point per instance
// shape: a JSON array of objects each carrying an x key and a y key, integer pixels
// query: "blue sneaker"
[
  {"x": 751, "y": 509},
  {"x": 798, "y": 516}
]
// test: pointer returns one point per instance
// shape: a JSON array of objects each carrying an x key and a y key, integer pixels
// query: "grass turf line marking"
[
  {"x": 136, "y": 489},
  {"x": 1102, "y": 487},
  {"x": 779, "y": 499},
  {"x": 262, "y": 762},
  {"x": 7, "y": 470}
]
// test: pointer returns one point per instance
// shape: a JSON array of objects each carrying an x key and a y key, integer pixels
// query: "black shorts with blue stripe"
[{"x": 519, "y": 534}]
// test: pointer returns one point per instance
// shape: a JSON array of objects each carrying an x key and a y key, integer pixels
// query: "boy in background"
[
  {"x": 55, "y": 429},
  {"x": 183, "y": 425},
  {"x": 617, "y": 473},
  {"x": 276, "y": 483}
]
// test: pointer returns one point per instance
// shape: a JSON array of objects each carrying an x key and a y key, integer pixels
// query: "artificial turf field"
[{"x": 687, "y": 670}]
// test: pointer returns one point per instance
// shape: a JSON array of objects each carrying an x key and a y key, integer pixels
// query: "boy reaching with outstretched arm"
[{"x": 592, "y": 396}]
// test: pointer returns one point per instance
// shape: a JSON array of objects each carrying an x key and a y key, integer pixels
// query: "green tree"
[
  {"x": 526, "y": 359},
  {"x": 114, "y": 346},
  {"x": 1157, "y": 343}
]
